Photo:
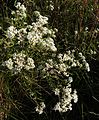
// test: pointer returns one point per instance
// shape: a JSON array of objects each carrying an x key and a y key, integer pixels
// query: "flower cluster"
[
  {"x": 11, "y": 32},
  {"x": 18, "y": 62},
  {"x": 9, "y": 64},
  {"x": 65, "y": 62},
  {"x": 21, "y": 11},
  {"x": 41, "y": 35},
  {"x": 32, "y": 40},
  {"x": 64, "y": 103},
  {"x": 36, "y": 34},
  {"x": 40, "y": 108},
  {"x": 87, "y": 67}
]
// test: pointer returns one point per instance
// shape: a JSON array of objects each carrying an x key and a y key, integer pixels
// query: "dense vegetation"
[{"x": 49, "y": 60}]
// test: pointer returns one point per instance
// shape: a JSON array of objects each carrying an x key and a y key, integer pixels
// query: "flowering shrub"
[
  {"x": 18, "y": 63},
  {"x": 32, "y": 56}
]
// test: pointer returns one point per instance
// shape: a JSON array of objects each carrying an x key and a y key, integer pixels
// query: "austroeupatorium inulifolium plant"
[{"x": 30, "y": 55}]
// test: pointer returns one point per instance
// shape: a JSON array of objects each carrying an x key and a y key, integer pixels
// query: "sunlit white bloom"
[
  {"x": 19, "y": 60},
  {"x": 48, "y": 66},
  {"x": 50, "y": 61},
  {"x": 30, "y": 64},
  {"x": 11, "y": 32},
  {"x": 23, "y": 8},
  {"x": 45, "y": 30},
  {"x": 37, "y": 31},
  {"x": 37, "y": 13},
  {"x": 21, "y": 11},
  {"x": 53, "y": 48},
  {"x": 21, "y": 55},
  {"x": 43, "y": 20},
  {"x": 57, "y": 107},
  {"x": 86, "y": 28},
  {"x": 66, "y": 57},
  {"x": 92, "y": 52},
  {"x": 70, "y": 79},
  {"x": 60, "y": 56},
  {"x": 74, "y": 64},
  {"x": 51, "y": 7},
  {"x": 57, "y": 91},
  {"x": 18, "y": 5},
  {"x": 97, "y": 29},
  {"x": 66, "y": 74},
  {"x": 13, "y": 12},
  {"x": 9, "y": 64},
  {"x": 87, "y": 66},
  {"x": 76, "y": 32},
  {"x": 29, "y": 36},
  {"x": 40, "y": 108},
  {"x": 75, "y": 96},
  {"x": 64, "y": 103},
  {"x": 62, "y": 67},
  {"x": 29, "y": 27}
]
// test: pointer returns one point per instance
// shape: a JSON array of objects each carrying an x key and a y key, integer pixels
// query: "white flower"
[
  {"x": 53, "y": 48},
  {"x": 57, "y": 91},
  {"x": 23, "y": 8},
  {"x": 18, "y": 5},
  {"x": 21, "y": 11},
  {"x": 37, "y": 13},
  {"x": 92, "y": 52},
  {"x": 86, "y": 28},
  {"x": 29, "y": 27},
  {"x": 57, "y": 107},
  {"x": 75, "y": 97},
  {"x": 66, "y": 57},
  {"x": 70, "y": 79},
  {"x": 76, "y": 32},
  {"x": 51, "y": 7},
  {"x": 64, "y": 103},
  {"x": 11, "y": 32},
  {"x": 40, "y": 108},
  {"x": 9, "y": 64},
  {"x": 80, "y": 54},
  {"x": 29, "y": 36},
  {"x": 66, "y": 74},
  {"x": 48, "y": 66},
  {"x": 87, "y": 66},
  {"x": 74, "y": 64},
  {"x": 50, "y": 61},
  {"x": 13, "y": 12},
  {"x": 43, "y": 20},
  {"x": 19, "y": 60},
  {"x": 62, "y": 67},
  {"x": 60, "y": 57},
  {"x": 30, "y": 64}
]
